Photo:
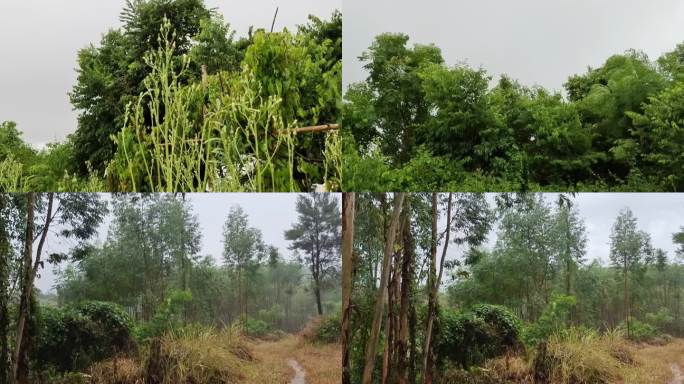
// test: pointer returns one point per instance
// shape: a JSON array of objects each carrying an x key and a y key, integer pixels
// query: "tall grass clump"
[
  {"x": 189, "y": 355},
  {"x": 222, "y": 134},
  {"x": 11, "y": 175},
  {"x": 198, "y": 355},
  {"x": 583, "y": 356}
]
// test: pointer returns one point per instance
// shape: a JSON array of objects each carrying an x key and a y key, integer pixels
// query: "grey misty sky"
[
  {"x": 659, "y": 214},
  {"x": 272, "y": 213},
  {"x": 39, "y": 41},
  {"x": 538, "y": 42}
]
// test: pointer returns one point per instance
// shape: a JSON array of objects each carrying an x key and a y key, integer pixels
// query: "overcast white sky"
[
  {"x": 659, "y": 214},
  {"x": 39, "y": 40},
  {"x": 272, "y": 213},
  {"x": 535, "y": 41}
]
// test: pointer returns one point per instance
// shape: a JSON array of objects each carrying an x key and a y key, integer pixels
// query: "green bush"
[
  {"x": 167, "y": 317},
  {"x": 663, "y": 320},
  {"x": 255, "y": 328},
  {"x": 329, "y": 329},
  {"x": 639, "y": 331},
  {"x": 72, "y": 338},
  {"x": 469, "y": 338},
  {"x": 553, "y": 319}
]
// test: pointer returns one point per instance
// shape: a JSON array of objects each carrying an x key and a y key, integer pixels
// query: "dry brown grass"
[
  {"x": 582, "y": 356},
  {"x": 309, "y": 331},
  {"x": 202, "y": 355},
  {"x": 192, "y": 355},
  {"x": 653, "y": 363},
  {"x": 589, "y": 358},
  {"x": 322, "y": 363},
  {"x": 116, "y": 371}
]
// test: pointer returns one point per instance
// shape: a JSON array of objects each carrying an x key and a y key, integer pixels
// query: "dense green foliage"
[
  {"x": 468, "y": 338},
  {"x": 328, "y": 329},
  {"x": 417, "y": 124},
  {"x": 173, "y": 101},
  {"x": 72, "y": 338}
]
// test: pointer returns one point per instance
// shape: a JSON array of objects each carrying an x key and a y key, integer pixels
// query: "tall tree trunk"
[
  {"x": 428, "y": 357},
  {"x": 402, "y": 352},
  {"x": 372, "y": 346},
  {"x": 317, "y": 292},
  {"x": 348, "y": 212},
  {"x": 19, "y": 375},
  {"x": 4, "y": 294},
  {"x": 626, "y": 299},
  {"x": 389, "y": 328},
  {"x": 434, "y": 289},
  {"x": 413, "y": 351}
]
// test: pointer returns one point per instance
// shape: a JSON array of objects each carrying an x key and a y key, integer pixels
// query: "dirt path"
[
  {"x": 677, "y": 373},
  {"x": 300, "y": 375},
  {"x": 291, "y": 360}
]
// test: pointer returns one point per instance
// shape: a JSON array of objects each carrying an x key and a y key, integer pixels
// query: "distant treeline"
[{"x": 417, "y": 124}]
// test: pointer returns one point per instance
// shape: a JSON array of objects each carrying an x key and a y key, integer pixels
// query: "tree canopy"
[{"x": 416, "y": 123}]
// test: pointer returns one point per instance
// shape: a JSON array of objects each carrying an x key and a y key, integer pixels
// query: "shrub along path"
[{"x": 320, "y": 364}]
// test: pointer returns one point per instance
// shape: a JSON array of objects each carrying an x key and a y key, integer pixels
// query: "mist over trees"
[
  {"x": 418, "y": 124},
  {"x": 147, "y": 278}
]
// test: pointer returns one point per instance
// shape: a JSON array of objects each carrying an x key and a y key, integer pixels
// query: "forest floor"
[
  {"x": 658, "y": 364},
  {"x": 292, "y": 360}
]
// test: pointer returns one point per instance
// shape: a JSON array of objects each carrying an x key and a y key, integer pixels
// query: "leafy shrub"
[
  {"x": 323, "y": 329},
  {"x": 469, "y": 338},
  {"x": 663, "y": 320},
  {"x": 72, "y": 338},
  {"x": 639, "y": 331},
  {"x": 168, "y": 315},
  {"x": 272, "y": 315},
  {"x": 329, "y": 330},
  {"x": 255, "y": 328},
  {"x": 553, "y": 319}
]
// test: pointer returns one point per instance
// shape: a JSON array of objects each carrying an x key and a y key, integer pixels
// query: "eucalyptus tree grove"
[
  {"x": 133, "y": 269},
  {"x": 442, "y": 282}
]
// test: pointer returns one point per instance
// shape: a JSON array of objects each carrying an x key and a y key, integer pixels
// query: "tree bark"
[
  {"x": 371, "y": 347},
  {"x": 428, "y": 362},
  {"x": 348, "y": 212},
  {"x": 4, "y": 299},
  {"x": 21, "y": 366},
  {"x": 317, "y": 290},
  {"x": 626, "y": 299},
  {"x": 402, "y": 352},
  {"x": 25, "y": 292}
]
